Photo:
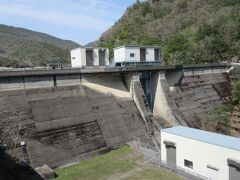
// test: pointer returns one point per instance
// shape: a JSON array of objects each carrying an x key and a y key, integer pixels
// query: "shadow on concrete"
[
  {"x": 11, "y": 169},
  {"x": 113, "y": 81}
]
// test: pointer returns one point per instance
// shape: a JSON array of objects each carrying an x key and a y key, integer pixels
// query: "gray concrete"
[
  {"x": 94, "y": 70},
  {"x": 134, "y": 86},
  {"x": 174, "y": 77},
  {"x": 74, "y": 114},
  {"x": 197, "y": 95},
  {"x": 65, "y": 124},
  {"x": 12, "y": 83},
  {"x": 50, "y": 78},
  {"x": 163, "y": 102},
  {"x": 38, "y": 81},
  {"x": 63, "y": 80},
  {"x": 139, "y": 98}
]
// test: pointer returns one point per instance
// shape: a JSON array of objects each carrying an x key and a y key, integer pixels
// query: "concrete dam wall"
[
  {"x": 197, "y": 95},
  {"x": 69, "y": 117},
  {"x": 67, "y": 123},
  {"x": 183, "y": 96},
  {"x": 191, "y": 98}
]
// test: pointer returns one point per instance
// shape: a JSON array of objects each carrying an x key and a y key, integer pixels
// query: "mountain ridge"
[
  {"x": 199, "y": 31},
  {"x": 20, "y": 47}
]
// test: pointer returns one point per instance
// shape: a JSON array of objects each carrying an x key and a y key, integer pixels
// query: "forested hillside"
[
  {"x": 24, "y": 48},
  {"x": 188, "y": 31}
]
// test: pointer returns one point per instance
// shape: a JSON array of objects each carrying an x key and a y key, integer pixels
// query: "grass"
[{"x": 124, "y": 163}]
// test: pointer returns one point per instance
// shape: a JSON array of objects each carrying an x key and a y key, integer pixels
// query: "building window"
[
  {"x": 73, "y": 57},
  {"x": 132, "y": 55},
  {"x": 188, "y": 163}
]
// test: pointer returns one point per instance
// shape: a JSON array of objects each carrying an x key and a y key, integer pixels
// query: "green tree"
[
  {"x": 218, "y": 47},
  {"x": 236, "y": 87},
  {"x": 175, "y": 49},
  {"x": 203, "y": 31},
  {"x": 176, "y": 43}
]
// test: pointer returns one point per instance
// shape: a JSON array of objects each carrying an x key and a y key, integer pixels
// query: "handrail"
[{"x": 153, "y": 156}]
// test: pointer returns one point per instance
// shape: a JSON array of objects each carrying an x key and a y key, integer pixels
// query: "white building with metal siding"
[
  {"x": 132, "y": 53},
  {"x": 89, "y": 57},
  {"x": 212, "y": 155}
]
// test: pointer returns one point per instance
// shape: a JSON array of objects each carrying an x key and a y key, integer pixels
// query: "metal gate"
[
  {"x": 102, "y": 56},
  {"x": 171, "y": 154},
  {"x": 89, "y": 57}
]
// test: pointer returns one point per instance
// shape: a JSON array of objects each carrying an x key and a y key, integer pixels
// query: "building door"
[
  {"x": 102, "y": 57},
  {"x": 171, "y": 154},
  {"x": 234, "y": 172},
  {"x": 142, "y": 55},
  {"x": 212, "y": 173},
  {"x": 156, "y": 54},
  {"x": 89, "y": 57}
]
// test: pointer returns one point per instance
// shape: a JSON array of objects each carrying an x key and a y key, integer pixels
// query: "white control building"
[
  {"x": 133, "y": 53},
  {"x": 212, "y": 155},
  {"x": 89, "y": 57}
]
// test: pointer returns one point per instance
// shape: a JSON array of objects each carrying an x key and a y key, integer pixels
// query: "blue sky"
[{"x": 82, "y": 21}]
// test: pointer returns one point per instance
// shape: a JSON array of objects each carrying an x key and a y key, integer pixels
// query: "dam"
[{"x": 73, "y": 114}]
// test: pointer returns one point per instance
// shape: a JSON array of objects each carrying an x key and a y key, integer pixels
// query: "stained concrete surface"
[
  {"x": 65, "y": 124},
  {"x": 68, "y": 123},
  {"x": 198, "y": 95}
]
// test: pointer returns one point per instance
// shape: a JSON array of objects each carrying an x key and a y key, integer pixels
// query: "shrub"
[
  {"x": 181, "y": 4},
  {"x": 218, "y": 47},
  {"x": 236, "y": 87},
  {"x": 221, "y": 118},
  {"x": 176, "y": 43},
  {"x": 203, "y": 31}
]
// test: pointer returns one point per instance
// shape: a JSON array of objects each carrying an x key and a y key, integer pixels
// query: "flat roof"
[
  {"x": 136, "y": 46},
  {"x": 89, "y": 48},
  {"x": 205, "y": 136}
]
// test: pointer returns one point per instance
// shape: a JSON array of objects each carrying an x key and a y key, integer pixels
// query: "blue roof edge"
[{"x": 213, "y": 138}]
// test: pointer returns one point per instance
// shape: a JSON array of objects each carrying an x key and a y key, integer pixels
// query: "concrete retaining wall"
[
  {"x": 162, "y": 99},
  {"x": 63, "y": 80},
  {"x": 42, "y": 78},
  {"x": 12, "y": 83},
  {"x": 197, "y": 95},
  {"x": 204, "y": 70},
  {"x": 40, "y": 81},
  {"x": 174, "y": 77},
  {"x": 64, "y": 124},
  {"x": 138, "y": 96}
]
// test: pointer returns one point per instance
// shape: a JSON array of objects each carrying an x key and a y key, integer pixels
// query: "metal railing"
[
  {"x": 140, "y": 63},
  {"x": 151, "y": 155}
]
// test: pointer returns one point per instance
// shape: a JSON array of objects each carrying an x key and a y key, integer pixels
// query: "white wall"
[
  {"x": 135, "y": 50},
  {"x": 95, "y": 57},
  {"x": 201, "y": 154},
  {"x": 119, "y": 54},
  {"x": 83, "y": 56},
  {"x": 107, "y": 57},
  {"x": 150, "y": 54},
  {"x": 76, "y": 58},
  {"x": 123, "y": 54}
]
